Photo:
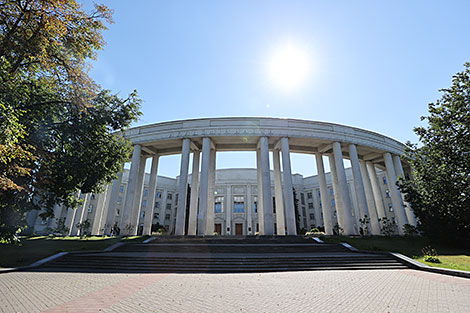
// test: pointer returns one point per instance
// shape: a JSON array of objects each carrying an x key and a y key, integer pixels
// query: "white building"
[{"x": 228, "y": 201}]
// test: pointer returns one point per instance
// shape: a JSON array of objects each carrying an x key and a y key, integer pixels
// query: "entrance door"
[
  {"x": 218, "y": 229},
  {"x": 239, "y": 229}
]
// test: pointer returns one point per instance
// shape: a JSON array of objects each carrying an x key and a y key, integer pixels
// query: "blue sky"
[{"x": 374, "y": 64}]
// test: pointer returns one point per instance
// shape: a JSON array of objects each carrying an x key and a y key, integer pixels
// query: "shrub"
[
  {"x": 364, "y": 227},
  {"x": 389, "y": 227},
  {"x": 338, "y": 230},
  {"x": 410, "y": 230},
  {"x": 430, "y": 255}
]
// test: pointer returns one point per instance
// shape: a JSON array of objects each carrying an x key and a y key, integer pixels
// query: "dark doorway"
[
  {"x": 239, "y": 229},
  {"x": 218, "y": 229}
]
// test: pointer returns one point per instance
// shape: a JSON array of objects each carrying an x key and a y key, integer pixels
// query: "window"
[
  {"x": 320, "y": 204},
  {"x": 176, "y": 199},
  {"x": 119, "y": 201},
  {"x": 309, "y": 195},
  {"x": 312, "y": 216},
  {"x": 304, "y": 213},
  {"x": 169, "y": 196},
  {"x": 118, "y": 212},
  {"x": 332, "y": 192},
  {"x": 387, "y": 193},
  {"x": 310, "y": 205},
  {"x": 168, "y": 206},
  {"x": 219, "y": 205},
  {"x": 302, "y": 198},
  {"x": 333, "y": 202},
  {"x": 156, "y": 215},
  {"x": 390, "y": 207},
  {"x": 274, "y": 205},
  {"x": 90, "y": 208},
  {"x": 385, "y": 180},
  {"x": 146, "y": 192},
  {"x": 159, "y": 194},
  {"x": 121, "y": 189},
  {"x": 142, "y": 215},
  {"x": 238, "y": 204},
  {"x": 92, "y": 196},
  {"x": 144, "y": 203},
  {"x": 44, "y": 222},
  {"x": 255, "y": 204},
  {"x": 167, "y": 217},
  {"x": 157, "y": 205}
]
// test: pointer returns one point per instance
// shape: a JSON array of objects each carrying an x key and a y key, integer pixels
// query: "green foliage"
[
  {"x": 388, "y": 227},
  {"x": 430, "y": 255},
  {"x": 60, "y": 133},
  {"x": 315, "y": 232},
  {"x": 337, "y": 230},
  {"x": 439, "y": 188},
  {"x": 410, "y": 230},
  {"x": 364, "y": 225},
  {"x": 84, "y": 228}
]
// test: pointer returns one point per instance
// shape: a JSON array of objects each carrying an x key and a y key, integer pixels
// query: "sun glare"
[{"x": 289, "y": 67}]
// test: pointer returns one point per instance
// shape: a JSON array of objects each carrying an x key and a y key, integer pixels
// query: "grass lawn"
[
  {"x": 36, "y": 248},
  {"x": 450, "y": 257}
]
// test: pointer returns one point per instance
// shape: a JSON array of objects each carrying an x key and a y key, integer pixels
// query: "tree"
[
  {"x": 59, "y": 131},
  {"x": 439, "y": 186}
]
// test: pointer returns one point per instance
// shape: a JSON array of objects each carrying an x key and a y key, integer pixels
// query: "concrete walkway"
[{"x": 316, "y": 291}]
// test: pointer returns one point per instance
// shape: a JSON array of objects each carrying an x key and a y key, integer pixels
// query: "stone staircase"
[{"x": 222, "y": 255}]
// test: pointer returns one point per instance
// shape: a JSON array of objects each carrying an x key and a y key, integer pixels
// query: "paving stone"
[{"x": 314, "y": 291}]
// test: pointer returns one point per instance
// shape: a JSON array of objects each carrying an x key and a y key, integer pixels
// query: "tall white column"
[
  {"x": 260, "y": 192},
  {"x": 317, "y": 208},
  {"x": 138, "y": 198},
  {"x": 325, "y": 200},
  {"x": 70, "y": 218},
  {"x": 249, "y": 210},
  {"x": 163, "y": 204},
  {"x": 132, "y": 184},
  {"x": 398, "y": 208},
  {"x": 98, "y": 219},
  {"x": 210, "y": 198},
  {"x": 266, "y": 186},
  {"x": 228, "y": 212},
  {"x": 343, "y": 193},
  {"x": 289, "y": 190},
  {"x": 183, "y": 188},
  {"x": 280, "y": 219},
  {"x": 374, "y": 218},
  {"x": 379, "y": 203},
  {"x": 334, "y": 183},
  {"x": 204, "y": 186},
  {"x": 111, "y": 211},
  {"x": 194, "y": 194},
  {"x": 80, "y": 216},
  {"x": 358, "y": 182},
  {"x": 57, "y": 212},
  {"x": 148, "y": 218},
  {"x": 400, "y": 173}
]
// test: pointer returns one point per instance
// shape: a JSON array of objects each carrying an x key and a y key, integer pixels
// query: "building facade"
[{"x": 247, "y": 201}]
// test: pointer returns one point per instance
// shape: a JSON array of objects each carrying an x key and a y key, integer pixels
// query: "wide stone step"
[
  {"x": 214, "y": 255},
  {"x": 220, "y": 263}
]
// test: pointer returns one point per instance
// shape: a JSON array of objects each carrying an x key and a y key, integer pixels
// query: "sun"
[{"x": 289, "y": 67}]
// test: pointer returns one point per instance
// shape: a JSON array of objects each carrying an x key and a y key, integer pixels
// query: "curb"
[
  {"x": 112, "y": 247},
  {"x": 415, "y": 264},
  {"x": 35, "y": 264},
  {"x": 149, "y": 240},
  {"x": 423, "y": 267}
]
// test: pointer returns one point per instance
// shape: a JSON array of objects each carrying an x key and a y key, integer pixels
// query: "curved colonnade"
[{"x": 366, "y": 150}]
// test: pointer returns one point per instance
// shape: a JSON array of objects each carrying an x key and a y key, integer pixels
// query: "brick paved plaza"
[{"x": 314, "y": 291}]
